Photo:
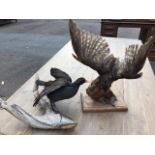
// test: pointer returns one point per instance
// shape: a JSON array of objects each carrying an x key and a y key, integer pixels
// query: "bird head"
[{"x": 80, "y": 81}]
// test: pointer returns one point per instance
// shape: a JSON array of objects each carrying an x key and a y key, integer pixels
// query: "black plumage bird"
[{"x": 59, "y": 89}]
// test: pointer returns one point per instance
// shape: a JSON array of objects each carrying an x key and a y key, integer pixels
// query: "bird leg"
[
  {"x": 96, "y": 92},
  {"x": 54, "y": 108}
]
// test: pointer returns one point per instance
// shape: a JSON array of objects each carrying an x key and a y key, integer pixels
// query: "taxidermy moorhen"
[{"x": 59, "y": 89}]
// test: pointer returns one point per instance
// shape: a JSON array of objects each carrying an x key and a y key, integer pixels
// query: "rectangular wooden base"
[{"x": 90, "y": 105}]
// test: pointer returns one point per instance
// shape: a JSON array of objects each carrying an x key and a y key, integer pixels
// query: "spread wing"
[
  {"x": 57, "y": 84},
  {"x": 134, "y": 60},
  {"x": 57, "y": 73},
  {"x": 91, "y": 50}
]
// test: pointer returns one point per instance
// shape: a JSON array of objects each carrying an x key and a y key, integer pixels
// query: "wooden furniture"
[
  {"x": 139, "y": 95},
  {"x": 109, "y": 27}
]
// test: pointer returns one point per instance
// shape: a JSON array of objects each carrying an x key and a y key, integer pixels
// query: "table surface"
[{"x": 139, "y": 95}]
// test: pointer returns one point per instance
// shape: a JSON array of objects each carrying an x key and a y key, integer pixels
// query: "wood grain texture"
[
  {"x": 90, "y": 105},
  {"x": 139, "y": 95}
]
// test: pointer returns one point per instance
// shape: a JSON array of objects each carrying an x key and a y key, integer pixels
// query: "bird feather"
[{"x": 93, "y": 51}]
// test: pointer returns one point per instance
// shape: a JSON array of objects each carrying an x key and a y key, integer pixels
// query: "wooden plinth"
[{"x": 90, "y": 105}]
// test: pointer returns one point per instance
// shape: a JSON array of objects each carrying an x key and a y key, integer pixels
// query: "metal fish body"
[{"x": 49, "y": 120}]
